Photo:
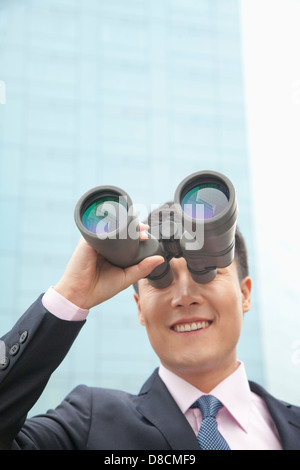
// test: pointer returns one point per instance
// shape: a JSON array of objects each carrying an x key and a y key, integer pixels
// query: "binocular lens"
[
  {"x": 205, "y": 201},
  {"x": 105, "y": 215},
  {"x": 201, "y": 227}
]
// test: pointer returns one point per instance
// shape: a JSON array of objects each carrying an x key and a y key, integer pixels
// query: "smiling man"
[
  {"x": 194, "y": 329},
  {"x": 199, "y": 398}
]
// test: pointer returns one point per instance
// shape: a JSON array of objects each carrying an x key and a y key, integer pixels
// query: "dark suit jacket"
[{"x": 95, "y": 418}]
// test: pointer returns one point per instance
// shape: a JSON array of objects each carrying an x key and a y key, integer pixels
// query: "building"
[{"x": 99, "y": 92}]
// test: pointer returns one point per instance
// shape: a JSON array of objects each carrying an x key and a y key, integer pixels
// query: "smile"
[{"x": 185, "y": 327}]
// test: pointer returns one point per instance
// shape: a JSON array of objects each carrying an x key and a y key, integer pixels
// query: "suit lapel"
[
  {"x": 285, "y": 416},
  {"x": 158, "y": 407}
]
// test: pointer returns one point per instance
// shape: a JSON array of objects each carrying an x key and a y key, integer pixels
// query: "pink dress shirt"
[
  {"x": 61, "y": 307},
  {"x": 244, "y": 421}
]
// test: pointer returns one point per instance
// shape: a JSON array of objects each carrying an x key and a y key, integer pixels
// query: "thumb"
[{"x": 142, "y": 269}]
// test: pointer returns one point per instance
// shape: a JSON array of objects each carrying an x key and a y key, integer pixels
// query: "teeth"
[{"x": 191, "y": 326}]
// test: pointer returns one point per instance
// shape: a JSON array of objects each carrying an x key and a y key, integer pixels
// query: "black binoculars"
[{"x": 201, "y": 227}]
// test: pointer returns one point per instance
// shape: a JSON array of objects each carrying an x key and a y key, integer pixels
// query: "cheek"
[
  {"x": 232, "y": 319},
  {"x": 150, "y": 306},
  {"x": 227, "y": 300}
]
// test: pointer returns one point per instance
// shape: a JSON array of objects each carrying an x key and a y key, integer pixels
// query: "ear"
[
  {"x": 246, "y": 286},
  {"x": 138, "y": 303}
]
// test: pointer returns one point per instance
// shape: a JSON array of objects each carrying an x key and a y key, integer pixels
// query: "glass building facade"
[{"x": 136, "y": 94}]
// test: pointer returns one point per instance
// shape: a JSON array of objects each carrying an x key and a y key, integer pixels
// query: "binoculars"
[{"x": 200, "y": 226}]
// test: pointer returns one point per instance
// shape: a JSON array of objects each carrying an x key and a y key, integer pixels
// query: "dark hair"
[{"x": 241, "y": 256}]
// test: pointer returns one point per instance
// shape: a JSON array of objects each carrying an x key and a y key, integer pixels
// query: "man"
[{"x": 194, "y": 330}]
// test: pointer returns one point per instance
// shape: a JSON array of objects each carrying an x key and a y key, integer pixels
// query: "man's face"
[{"x": 194, "y": 328}]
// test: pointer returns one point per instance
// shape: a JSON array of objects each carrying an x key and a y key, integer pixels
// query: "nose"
[{"x": 186, "y": 291}]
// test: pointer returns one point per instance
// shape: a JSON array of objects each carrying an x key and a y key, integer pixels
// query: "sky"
[{"x": 271, "y": 39}]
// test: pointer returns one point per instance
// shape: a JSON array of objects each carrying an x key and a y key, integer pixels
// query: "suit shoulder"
[
  {"x": 273, "y": 401},
  {"x": 100, "y": 395}
]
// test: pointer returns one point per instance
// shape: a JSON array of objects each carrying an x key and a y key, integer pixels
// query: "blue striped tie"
[{"x": 209, "y": 438}]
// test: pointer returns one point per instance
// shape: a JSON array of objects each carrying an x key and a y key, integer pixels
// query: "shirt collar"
[{"x": 234, "y": 392}]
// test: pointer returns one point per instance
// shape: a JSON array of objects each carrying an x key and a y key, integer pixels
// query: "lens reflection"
[
  {"x": 105, "y": 215},
  {"x": 205, "y": 201}
]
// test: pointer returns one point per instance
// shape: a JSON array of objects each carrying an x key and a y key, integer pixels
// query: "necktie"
[{"x": 209, "y": 437}]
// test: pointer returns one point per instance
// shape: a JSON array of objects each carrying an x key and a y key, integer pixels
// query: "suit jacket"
[{"x": 95, "y": 418}]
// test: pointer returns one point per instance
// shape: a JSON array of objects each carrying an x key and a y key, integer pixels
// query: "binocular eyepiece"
[{"x": 200, "y": 226}]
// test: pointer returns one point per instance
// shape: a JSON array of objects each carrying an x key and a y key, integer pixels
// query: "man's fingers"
[
  {"x": 143, "y": 235},
  {"x": 143, "y": 226},
  {"x": 141, "y": 270}
]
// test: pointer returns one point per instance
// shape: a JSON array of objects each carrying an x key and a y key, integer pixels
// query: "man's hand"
[{"x": 90, "y": 279}]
